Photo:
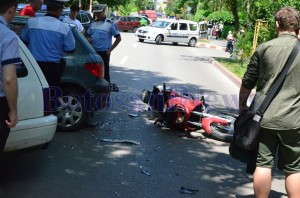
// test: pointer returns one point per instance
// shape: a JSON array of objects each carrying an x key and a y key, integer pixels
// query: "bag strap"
[{"x": 274, "y": 89}]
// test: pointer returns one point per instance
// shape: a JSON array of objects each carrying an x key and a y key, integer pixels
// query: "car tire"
[
  {"x": 158, "y": 39},
  {"x": 71, "y": 115},
  {"x": 134, "y": 29},
  {"x": 192, "y": 42},
  {"x": 141, "y": 40}
]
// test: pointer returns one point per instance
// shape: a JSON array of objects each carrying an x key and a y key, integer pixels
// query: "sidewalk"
[
  {"x": 213, "y": 44},
  {"x": 219, "y": 45}
]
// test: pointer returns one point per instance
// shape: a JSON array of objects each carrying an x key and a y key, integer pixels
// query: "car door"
[
  {"x": 172, "y": 32},
  {"x": 122, "y": 23},
  {"x": 31, "y": 96},
  {"x": 183, "y": 32}
]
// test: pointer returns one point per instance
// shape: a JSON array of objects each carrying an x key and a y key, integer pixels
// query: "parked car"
[
  {"x": 84, "y": 89},
  {"x": 35, "y": 126},
  {"x": 170, "y": 30},
  {"x": 115, "y": 18},
  {"x": 21, "y": 6},
  {"x": 125, "y": 23},
  {"x": 84, "y": 17}
]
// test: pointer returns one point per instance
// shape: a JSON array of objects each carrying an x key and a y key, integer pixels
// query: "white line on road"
[{"x": 124, "y": 60}]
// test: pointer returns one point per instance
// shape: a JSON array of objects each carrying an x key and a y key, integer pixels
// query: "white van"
[
  {"x": 170, "y": 30},
  {"x": 35, "y": 127}
]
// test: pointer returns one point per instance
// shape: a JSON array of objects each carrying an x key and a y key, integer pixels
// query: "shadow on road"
[{"x": 83, "y": 165}]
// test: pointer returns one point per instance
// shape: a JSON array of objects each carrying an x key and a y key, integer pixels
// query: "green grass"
[
  {"x": 234, "y": 66},
  {"x": 204, "y": 40}
]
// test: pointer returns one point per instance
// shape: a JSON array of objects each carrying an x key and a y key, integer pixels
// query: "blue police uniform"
[
  {"x": 9, "y": 54},
  {"x": 48, "y": 39},
  {"x": 101, "y": 33}
]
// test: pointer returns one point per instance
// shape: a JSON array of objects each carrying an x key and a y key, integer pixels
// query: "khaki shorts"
[{"x": 287, "y": 143}]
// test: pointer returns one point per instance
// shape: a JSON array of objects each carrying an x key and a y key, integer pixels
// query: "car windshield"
[{"x": 160, "y": 24}]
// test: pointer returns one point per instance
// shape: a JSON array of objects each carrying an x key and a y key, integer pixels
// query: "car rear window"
[{"x": 193, "y": 27}]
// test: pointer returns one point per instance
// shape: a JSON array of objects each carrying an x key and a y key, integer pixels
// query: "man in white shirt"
[{"x": 72, "y": 18}]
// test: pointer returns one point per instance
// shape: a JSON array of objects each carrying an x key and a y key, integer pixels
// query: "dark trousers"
[
  {"x": 4, "y": 130},
  {"x": 229, "y": 47},
  {"x": 106, "y": 60},
  {"x": 52, "y": 72}
]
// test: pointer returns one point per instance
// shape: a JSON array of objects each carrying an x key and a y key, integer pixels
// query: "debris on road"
[
  {"x": 133, "y": 114},
  {"x": 188, "y": 191},
  {"x": 145, "y": 171},
  {"x": 120, "y": 141}
]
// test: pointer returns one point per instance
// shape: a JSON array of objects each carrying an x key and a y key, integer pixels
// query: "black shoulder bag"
[{"x": 247, "y": 125}]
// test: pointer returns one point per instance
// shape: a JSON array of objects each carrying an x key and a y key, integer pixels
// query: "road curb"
[
  {"x": 206, "y": 45},
  {"x": 236, "y": 80}
]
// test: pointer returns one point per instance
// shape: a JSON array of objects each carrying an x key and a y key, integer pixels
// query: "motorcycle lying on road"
[{"x": 182, "y": 111}]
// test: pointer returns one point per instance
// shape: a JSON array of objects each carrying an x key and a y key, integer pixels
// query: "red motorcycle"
[{"x": 182, "y": 111}]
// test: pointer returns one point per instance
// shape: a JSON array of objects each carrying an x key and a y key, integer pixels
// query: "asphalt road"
[{"x": 151, "y": 161}]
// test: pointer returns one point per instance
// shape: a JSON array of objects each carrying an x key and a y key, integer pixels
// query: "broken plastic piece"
[
  {"x": 188, "y": 191},
  {"x": 120, "y": 141},
  {"x": 133, "y": 114},
  {"x": 145, "y": 171}
]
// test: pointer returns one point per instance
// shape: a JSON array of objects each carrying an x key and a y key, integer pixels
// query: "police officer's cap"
[
  {"x": 57, "y": 2},
  {"x": 99, "y": 8}
]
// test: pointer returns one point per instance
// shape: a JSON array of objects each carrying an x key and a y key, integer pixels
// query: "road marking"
[
  {"x": 135, "y": 45},
  {"x": 124, "y": 60}
]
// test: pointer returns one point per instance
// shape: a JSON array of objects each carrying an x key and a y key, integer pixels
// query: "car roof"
[{"x": 176, "y": 20}]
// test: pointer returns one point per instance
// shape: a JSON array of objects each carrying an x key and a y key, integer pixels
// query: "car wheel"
[
  {"x": 158, "y": 39},
  {"x": 71, "y": 115},
  {"x": 141, "y": 40},
  {"x": 192, "y": 42},
  {"x": 134, "y": 29}
]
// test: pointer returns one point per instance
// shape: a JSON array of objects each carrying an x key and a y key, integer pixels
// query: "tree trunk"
[
  {"x": 248, "y": 7},
  {"x": 234, "y": 11}
]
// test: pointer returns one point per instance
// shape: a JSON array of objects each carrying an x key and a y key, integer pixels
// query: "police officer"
[
  {"x": 9, "y": 58},
  {"x": 48, "y": 39},
  {"x": 100, "y": 35}
]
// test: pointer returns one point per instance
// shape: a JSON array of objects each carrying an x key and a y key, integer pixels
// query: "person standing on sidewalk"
[
  {"x": 9, "y": 58},
  {"x": 100, "y": 35},
  {"x": 230, "y": 39},
  {"x": 209, "y": 29},
  {"x": 280, "y": 125}
]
